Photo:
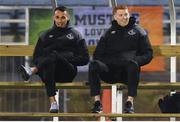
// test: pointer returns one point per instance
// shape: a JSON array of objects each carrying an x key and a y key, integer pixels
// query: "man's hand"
[{"x": 67, "y": 55}]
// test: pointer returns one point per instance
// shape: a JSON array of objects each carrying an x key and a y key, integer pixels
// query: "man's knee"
[
  {"x": 133, "y": 66},
  {"x": 98, "y": 66}
]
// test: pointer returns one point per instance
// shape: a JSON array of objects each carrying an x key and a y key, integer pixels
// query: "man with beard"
[{"x": 57, "y": 54}]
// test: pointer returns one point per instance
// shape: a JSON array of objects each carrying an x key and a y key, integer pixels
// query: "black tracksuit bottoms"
[
  {"x": 127, "y": 72},
  {"x": 54, "y": 68}
]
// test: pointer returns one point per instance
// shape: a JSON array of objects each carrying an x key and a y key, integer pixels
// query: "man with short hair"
[
  {"x": 120, "y": 53},
  {"x": 57, "y": 54}
]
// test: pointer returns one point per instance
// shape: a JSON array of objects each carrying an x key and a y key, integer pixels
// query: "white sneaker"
[
  {"x": 26, "y": 72},
  {"x": 54, "y": 107}
]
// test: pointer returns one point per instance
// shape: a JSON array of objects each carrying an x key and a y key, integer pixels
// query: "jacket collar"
[{"x": 132, "y": 22}]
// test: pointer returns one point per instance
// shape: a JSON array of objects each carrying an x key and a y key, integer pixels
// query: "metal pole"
[
  {"x": 54, "y": 4},
  {"x": 119, "y": 103},
  {"x": 56, "y": 119},
  {"x": 27, "y": 25},
  {"x": 27, "y": 36},
  {"x": 173, "y": 38},
  {"x": 112, "y": 3},
  {"x": 173, "y": 42},
  {"x": 117, "y": 95},
  {"x": 172, "y": 12}
]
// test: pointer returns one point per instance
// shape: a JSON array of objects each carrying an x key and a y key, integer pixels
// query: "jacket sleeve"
[
  {"x": 81, "y": 57},
  {"x": 38, "y": 51},
  {"x": 145, "y": 52},
  {"x": 99, "y": 53}
]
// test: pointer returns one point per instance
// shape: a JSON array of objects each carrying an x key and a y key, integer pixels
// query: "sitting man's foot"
[
  {"x": 129, "y": 108},
  {"x": 26, "y": 72},
  {"x": 97, "y": 107},
  {"x": 54, "y": 107}
]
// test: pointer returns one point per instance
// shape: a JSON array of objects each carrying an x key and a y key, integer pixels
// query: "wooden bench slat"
[
  {"x": 16, "y": 50},
  {"x": 37, "y": 114},
  {"x": 81, "y": 85},
  {"x": 38, "y": 85},
  {"x": 27, "y": 50}
]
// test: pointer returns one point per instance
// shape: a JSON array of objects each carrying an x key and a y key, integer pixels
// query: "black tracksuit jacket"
[
  {"x": 124, "y": 43},
  {"x": 67, "y": 42}
]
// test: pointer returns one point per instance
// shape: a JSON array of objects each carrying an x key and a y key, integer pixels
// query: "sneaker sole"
[
  {"x": 129, "y": 112},
  {"x": 99, "y": 112},
  {"x": 23, "y": 72},
  {"x": 54, "y": 111}
]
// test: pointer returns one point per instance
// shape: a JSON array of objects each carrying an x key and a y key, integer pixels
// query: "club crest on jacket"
[
  {"x": 131, "y": 32},
  {"x": 70, "y": 36},
  {"x": 50, "y": 36}
]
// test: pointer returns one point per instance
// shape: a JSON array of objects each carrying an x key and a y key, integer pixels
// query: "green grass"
[{"x": 40, "y": 20}]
